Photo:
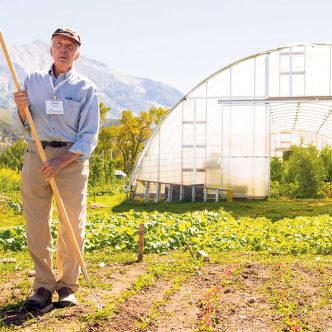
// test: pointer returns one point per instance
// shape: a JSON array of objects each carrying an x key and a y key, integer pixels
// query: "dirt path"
[
  {"x": 180, "y": 313},
  {"x": 117, "y": 278},
  {"x": 237, "y": 305},
  {"x": 132, "y": 313}
]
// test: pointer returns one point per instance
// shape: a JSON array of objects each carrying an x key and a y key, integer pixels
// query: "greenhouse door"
[{"x": 244, "y": 150}]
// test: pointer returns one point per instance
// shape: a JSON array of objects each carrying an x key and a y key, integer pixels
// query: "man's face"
[{"x": 64, "y": 51}]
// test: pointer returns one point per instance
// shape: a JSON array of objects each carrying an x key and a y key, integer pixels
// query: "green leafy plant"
[{"x": 209, "y": 230}]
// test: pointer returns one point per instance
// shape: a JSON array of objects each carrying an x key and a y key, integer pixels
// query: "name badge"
[{"x": 54, "y": 107}]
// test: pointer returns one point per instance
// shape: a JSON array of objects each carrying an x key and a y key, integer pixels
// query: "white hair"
[{"x": 52, "y": 42}]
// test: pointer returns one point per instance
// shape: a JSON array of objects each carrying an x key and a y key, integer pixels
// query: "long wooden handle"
[{"x": 58, "y": 199}]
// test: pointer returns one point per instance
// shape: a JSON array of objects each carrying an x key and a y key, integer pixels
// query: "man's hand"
[
  {"x": 22, "y": 101},
  {"x": 53, "y": 167}
]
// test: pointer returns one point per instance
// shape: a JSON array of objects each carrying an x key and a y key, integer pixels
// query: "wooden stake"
[{"x": 141, "y": 243}]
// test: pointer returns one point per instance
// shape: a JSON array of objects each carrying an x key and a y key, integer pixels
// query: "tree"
[
  {"x": 326, "y": 156},
  {"x": 276, "y": 170},
  {"x": 305, "y": 172},
  {"x": 125, "y": 140},
  {"x": 103, "y": 109},
  {"x": 13, "y": 156},
  {"x": 286, "y": 154},
  {"x": 96, "y": 175}
]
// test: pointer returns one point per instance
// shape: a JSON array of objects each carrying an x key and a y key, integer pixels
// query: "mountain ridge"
[{"x": 118, "y": 91}]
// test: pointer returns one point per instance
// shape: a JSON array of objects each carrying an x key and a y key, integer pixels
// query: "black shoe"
[
  {"x": 66, "y": 297},
  {"x": 39, "y": 300}
]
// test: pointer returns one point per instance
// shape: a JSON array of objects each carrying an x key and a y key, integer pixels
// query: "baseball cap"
[{"x": 68, "y": 32}]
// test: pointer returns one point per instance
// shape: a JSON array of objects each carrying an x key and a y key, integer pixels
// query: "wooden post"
[
  {"x": 217, "y": 195},
  {"x": 205, "y": 194},
  {"x": 158, "y": 193},
  {"x": 132, "y": 193},
  {"x": 170, "y": 193},
  {"x": 193, "y": 194},
  {"x": 229, "y": 195},
  {"x": 140, "y": 243},
  {"x": 147, "y": 192},
  {"x": 181, "y": 193}
]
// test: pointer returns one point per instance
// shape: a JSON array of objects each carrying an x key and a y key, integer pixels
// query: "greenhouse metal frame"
[{"x": 223, "y": 133}]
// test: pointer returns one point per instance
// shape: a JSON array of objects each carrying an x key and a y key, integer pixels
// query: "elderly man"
[{"x": 64, "y": 107}]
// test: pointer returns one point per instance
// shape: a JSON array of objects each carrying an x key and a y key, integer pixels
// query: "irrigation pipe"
[{"x": 58, "y": 199}]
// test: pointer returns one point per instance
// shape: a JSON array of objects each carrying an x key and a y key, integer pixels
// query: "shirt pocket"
[{"x": 72, "y": 112}]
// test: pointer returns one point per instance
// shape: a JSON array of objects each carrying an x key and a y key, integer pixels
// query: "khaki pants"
[{"x": 37, "y": 205}]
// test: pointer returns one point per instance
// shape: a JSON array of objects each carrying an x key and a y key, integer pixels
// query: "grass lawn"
[{"x": 272, "y": 209}]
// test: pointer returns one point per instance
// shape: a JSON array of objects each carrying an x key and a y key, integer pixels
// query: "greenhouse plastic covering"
[{"x": 223, "y": 132}]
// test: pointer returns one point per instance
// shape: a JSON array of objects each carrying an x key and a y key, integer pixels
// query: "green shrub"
[
  {"x": 10, "y": 181},
  {"x": 326, "y": 156},
  {"x": 14, "y": 155},
  {"x": 305, "y": 172},
  {"x": 101, "y": 178},
  {"x": 276, "y": 170},
  {"x": 275, "y": 189},
  {"x": 327, "y": 189}
]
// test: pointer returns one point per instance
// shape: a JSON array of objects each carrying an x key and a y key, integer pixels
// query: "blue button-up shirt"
[{"x": 80, "y": 122}]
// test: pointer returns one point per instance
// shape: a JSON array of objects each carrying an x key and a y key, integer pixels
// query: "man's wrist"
[{"x": 68, "y": 157}]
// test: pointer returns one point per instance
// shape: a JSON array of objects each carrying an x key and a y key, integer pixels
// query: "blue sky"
[{"x": 178, "y": 42}]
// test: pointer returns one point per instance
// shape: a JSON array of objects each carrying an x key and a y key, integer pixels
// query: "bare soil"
[{"x": 240, "y": 297}]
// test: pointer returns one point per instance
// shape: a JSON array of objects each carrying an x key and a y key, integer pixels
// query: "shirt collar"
[{"x": 62, "y": 76}]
